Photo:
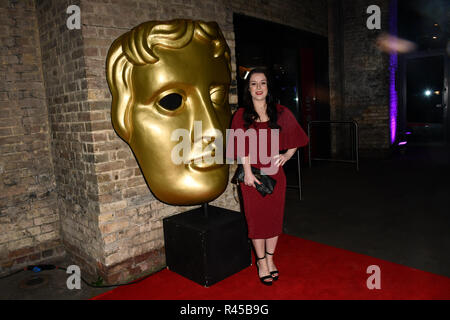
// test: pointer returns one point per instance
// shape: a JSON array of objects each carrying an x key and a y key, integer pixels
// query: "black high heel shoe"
[
  {"x": 275, "y": 278},
  {"x": 267, "y": 283}
]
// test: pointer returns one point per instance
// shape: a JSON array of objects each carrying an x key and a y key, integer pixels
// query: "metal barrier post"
[
  {"x": 357, "y": 145},
  {"x": 299, "y": 176},
  {"x": 309, "y": 144}
]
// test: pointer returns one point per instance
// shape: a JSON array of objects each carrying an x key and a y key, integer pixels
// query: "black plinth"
[{"x": 207, "y": 248}]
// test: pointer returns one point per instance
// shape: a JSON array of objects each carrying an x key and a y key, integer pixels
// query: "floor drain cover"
[{"x": 35, "y": 281}]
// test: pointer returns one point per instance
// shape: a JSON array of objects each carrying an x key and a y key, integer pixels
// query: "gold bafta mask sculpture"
[{"x": 169, "y": 76}]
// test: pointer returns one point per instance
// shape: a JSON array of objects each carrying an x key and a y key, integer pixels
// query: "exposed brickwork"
[
  {"x": 374, "y": 137},
  {"x": 29, "y": 220},
  {"x": 66, "y": 175},
  {"x": 72, "y": 121},
  {"x": 359, "y": 74},
  {"x": 130, "y": 218},
  {"x": 133, "y": 267}
]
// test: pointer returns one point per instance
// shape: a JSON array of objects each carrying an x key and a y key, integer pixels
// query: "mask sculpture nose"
[
  {"x": 206, "y": 135},
  {"x": 205, "y": 115}
]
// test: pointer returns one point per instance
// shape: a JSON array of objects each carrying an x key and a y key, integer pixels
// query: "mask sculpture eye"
[{"x": 171, "y": 102}]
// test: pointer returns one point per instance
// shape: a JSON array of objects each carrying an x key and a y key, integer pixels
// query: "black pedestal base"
[{"x": 207, "y": 248}]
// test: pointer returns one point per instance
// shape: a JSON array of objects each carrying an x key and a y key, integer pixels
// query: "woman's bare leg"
[
  {"x": 260, "y": 250},
  {"x": 271, "y": 245}
]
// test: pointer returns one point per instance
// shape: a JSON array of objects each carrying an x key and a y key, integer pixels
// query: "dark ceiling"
[{"x": 425, "y": 22}]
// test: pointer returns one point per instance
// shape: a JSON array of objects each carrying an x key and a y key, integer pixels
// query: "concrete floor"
[
  {"x": 24, "y": 285},
  {"x": 397, "y": 210}
]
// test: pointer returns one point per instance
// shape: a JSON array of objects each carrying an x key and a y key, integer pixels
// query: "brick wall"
[
  {"x": 74, "y": 122},
  {"x": 102, "y": 210},
  {"x": 66, "y": 175},
  {"x": 130, "y": 218},
  {"x": 29, "y": 220},
  {"x": 359, "y": 75}
]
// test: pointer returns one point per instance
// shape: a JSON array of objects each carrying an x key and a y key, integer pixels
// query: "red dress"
[{"x": 264, "y": 215}]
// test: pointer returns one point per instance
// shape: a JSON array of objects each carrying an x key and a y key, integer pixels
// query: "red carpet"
[{"x": 308, "y": 270}]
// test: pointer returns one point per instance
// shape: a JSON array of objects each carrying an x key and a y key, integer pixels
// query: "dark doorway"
[
  {"x": 425, "y": 92},
  {"x": 423, "y": 116},
  {"x": 298, "y": 62}
]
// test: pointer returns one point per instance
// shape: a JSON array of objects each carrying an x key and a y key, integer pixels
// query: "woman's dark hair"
[{"x": 250, "y": 114}]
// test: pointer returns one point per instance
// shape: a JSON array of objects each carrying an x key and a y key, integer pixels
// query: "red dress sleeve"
[
  {"x": 232, "y": 150},
  {"x": 291, "y": 135}
]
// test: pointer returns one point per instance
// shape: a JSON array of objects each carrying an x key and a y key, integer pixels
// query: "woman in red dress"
[{"x": 264, "y": 215}]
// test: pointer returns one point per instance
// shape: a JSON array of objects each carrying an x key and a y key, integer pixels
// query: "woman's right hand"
[{"x": 250, "y": 179}]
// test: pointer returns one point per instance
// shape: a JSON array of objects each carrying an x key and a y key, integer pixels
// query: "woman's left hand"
[{"x": 280, "y": 159}]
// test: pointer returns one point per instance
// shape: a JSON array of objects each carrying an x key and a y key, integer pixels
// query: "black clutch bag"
[{"x": 267, "y": 183}]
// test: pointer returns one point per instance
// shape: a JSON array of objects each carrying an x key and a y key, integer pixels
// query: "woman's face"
[{"x": 258, "y": 87}]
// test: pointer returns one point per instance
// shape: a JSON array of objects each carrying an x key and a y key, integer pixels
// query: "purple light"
[
  {"x": 408, "y": 132},
  {"x": 393, "y": 66},
  {"x": 402, "y": 143}
]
